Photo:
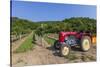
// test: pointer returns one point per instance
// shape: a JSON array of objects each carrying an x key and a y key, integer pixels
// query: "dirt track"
[{"x": 45, "y": 54}]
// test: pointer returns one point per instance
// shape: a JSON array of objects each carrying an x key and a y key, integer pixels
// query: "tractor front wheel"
[
  {"x": 64, "y": 50},
  {"x": 85, "y": 43},
  {"x": 56, "y": 44}
]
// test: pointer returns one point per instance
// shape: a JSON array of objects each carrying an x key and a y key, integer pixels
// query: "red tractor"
[{"x": 68, "y": 39}]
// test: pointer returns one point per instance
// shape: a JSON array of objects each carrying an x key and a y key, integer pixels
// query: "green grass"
[
  {"x": 26, "y": 45},
  {"x": 49, "y": 40}
]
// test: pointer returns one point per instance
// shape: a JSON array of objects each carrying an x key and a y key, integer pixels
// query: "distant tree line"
[{"x": 23, "y": 26}]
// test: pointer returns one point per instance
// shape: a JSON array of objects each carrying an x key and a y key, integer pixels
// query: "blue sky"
[{"x": 39, "y": 11}]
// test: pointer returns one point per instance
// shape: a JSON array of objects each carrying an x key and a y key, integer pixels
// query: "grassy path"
[
  {"x": 26, "y": 45},
  {"x": 17, "y": 43}
]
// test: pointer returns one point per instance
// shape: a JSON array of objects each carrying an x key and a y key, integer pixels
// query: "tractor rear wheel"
[
  {"x": 85, "y": 43},
  {"x": 64, "y": 50}
]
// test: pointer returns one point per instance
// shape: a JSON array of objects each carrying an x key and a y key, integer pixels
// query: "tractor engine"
[{"x": 70, "y": 38}]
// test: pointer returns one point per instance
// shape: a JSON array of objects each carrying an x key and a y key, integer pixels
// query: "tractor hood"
[{"x": 62, "y": 35}]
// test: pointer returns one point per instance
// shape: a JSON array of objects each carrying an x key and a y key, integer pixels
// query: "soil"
[{"x": 43, "y": 53}]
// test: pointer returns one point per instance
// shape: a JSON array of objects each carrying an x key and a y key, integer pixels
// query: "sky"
[{"x": 39, "y": 11}]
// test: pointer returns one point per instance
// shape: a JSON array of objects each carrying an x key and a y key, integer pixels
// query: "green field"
[
  {"x": 26, "y": 45},
  {"x": 49, "y": 40}
]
